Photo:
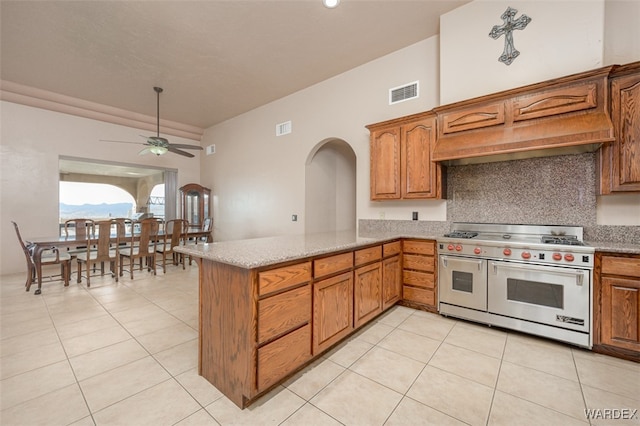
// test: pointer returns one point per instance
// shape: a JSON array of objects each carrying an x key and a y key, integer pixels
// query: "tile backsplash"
[{"x": 558, "y": 190}]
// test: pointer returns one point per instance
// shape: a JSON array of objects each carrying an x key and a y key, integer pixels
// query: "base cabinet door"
[
  {"x": 391, "y": 281},
  {"x": 617, "y": 305},
  {"x": 332, "y": 310},
  {"x": 367, "y": 293},
  {"x": 621, "y": 313}
]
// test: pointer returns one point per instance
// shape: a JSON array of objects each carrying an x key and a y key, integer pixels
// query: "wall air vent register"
[{"x": 404, "y": 93}]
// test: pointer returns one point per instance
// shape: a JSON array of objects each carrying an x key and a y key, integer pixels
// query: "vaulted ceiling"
[{"x": 215, "y": 59}]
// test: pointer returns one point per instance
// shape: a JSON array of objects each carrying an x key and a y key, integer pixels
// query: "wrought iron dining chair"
[
  {"x": 173, "y": 236},
  {"x": 50, "y": 257},
  {"x": 100, "y": 250},
  {"x": 141, "y": 246}
]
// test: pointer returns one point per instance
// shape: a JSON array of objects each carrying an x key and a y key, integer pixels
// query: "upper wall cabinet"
[
  {"x": 564, "y": 115},
  {"x": 620, "y": 161},
  {"x": 195, "y": 200},
  {"x": 401, "y": 159}
]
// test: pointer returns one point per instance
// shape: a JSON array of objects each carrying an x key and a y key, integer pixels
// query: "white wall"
[
  {"x": 258, "y": 179},
  {"x": 31, "y": 140},
  {"x": 563, "y": 38}
]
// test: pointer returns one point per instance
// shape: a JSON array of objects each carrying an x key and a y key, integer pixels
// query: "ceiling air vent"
[
  {"x": 403, "y": 93},
  {"x": 283, "y": 128}
]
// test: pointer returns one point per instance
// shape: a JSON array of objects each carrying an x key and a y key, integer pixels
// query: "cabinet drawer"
[
  {"x": 419, "y": 295},
  {"x": 626, "y": 266},
  {"x": 476, "y": 117},
  {"x": 419, "y": 279},
  {"x": 332, "y": 264},
  {"x": 419, "y": 247},
  {"x": 553, "y": 102},
  {"x": 421, "y": 263},
  {"x": 390, "y": 249},
  {"x": 283, "y": 278},
  {"x": 283, "y": 312},
  {"x": 368, "y": 255},
  {"x": 283, "y": 356}
]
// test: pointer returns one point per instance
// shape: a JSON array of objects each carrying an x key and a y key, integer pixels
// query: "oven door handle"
[
  {"x": 478, "y": 262},
  {"x": 579, "y": 274}
]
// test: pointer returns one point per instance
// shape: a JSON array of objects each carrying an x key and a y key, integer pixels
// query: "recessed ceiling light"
[{"x": 331, "y": 3}]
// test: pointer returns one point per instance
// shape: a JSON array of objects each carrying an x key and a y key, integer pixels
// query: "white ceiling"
[{"x": 214, "y": 59}]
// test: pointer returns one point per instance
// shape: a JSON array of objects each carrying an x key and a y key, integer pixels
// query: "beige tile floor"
[{"x": 126, "y": 354}]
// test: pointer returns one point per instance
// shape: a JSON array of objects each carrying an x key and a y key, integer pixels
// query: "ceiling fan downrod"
[{"x": 158, "y": 90}]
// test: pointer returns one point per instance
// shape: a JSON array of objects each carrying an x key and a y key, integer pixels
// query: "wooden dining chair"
[
  {"x": 207, "y": 225},
  {"x": 100, "y": 250},
  {"x": 81, "y": 230},
  {"x": 50, "y": 257},
  {"x": 141, "y": 245},
  {"x": 173, "y": 236}
]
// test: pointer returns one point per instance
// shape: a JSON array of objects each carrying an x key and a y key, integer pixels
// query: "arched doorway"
[{"x": 330, "y": 187}]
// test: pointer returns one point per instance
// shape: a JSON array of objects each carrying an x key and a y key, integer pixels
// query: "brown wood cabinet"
[
  {"x": 419, "y": 274},
  {"x": 332, "y": 311},
  {"x": 617, "y": 305},
  {"x": 563, "y": 115},
  {"x": 391, "y": 274},
  {"x": 259, "y": 326},
  {"x": 367, "y": 280},
  {"x": 620, "y": 161},
  {"x": 195, "y": 200},
  {"x": 401, "y": 159}
]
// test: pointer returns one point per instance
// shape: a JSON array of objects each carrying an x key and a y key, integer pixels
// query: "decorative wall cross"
[{"x": 510, "y": 52}]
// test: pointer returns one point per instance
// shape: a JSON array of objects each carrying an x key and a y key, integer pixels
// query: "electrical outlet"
[
  {"x": 294, "y": 217},
  {"x": 381, "y": 215},
  {"x": 414, "y": 215}
]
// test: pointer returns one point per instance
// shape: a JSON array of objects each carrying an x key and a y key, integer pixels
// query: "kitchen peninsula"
[{"x": 268, "y": 306}]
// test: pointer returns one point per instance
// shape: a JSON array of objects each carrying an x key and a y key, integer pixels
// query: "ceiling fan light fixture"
[
  {"x": 158, "y": 150},
  {"x": 331, "y": 3}
]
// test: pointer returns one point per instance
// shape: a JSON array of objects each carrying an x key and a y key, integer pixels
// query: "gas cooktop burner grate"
[
  {"x": 461, "y": 234},
  {"x": 566, "y": 240}
]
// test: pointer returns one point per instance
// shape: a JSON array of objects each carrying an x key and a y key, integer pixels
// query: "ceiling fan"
[{"x": 158, "y": 145}]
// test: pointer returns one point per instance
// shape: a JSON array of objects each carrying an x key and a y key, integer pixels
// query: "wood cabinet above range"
[{"x": 564, "y": 115}]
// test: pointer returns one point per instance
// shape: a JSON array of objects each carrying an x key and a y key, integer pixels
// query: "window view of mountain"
[{"x": 96, "y": 211}]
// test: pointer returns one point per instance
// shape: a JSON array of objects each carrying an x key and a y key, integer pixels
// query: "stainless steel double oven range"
[{"x": 532, "y": 278}]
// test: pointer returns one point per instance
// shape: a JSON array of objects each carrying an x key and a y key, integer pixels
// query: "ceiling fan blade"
[
  {"x": 145, "y": 151},
  {"x": 185, "y": 146},
  {"x": 175, "y": 150},
  {"x": 135, "y": 143}
]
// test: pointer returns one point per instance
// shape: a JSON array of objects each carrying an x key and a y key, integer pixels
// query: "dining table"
[{"x": 39, "y": 245}]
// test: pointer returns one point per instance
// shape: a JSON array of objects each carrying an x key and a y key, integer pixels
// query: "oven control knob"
[
  {"x": 506, "y": 252},
  {"x": 569, "y": 257},
  {"x": 450, "y": 247},
  {"x": 477, "y": 250},
  {"x": 557, "y": 256},
  {"x": 526, "y": 255},
  {"x": 458, "y": 247}
]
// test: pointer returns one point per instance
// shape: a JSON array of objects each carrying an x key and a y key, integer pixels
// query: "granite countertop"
[
  {"x": 258, "y": 252},
  {"x": 614, "y": 247}
]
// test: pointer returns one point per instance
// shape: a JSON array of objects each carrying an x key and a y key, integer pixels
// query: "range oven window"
[
  {"x": 462, "y": 281},
  {"x": 536, "y": 293}
]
